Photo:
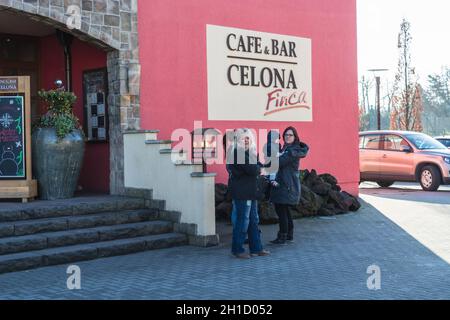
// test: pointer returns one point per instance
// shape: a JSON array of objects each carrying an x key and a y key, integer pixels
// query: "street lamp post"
[
  {"x": 377, "y": 101},
  {"x": 377, "y": 79}
]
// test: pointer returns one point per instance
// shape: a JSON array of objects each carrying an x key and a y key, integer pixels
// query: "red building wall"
[
  {"x": 94, "y": 175},
  {"x": 172, "y": 37}
]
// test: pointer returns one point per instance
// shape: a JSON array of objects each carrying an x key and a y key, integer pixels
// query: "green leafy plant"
[{"x": 59, "y": 113}]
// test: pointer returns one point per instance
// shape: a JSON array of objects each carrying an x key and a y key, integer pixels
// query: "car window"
[
  {"x": 445, "y": 142},
  {"x": 371, "y": 142},
  {"x": 393, "y": 142},
  {"x": 423, "y": 142}
]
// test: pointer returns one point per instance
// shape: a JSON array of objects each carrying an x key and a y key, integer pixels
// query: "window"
[
  {"x": 445, "y": 142},
  {"x": 370, "y": 142},
  {"x": 95, "y": 93},
  {"x": 393, "y": 143},
  {"x": 424, "y": 142}
]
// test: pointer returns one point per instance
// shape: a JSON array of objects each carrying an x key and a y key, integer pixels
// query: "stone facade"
[{"x": 112, "y": 26}]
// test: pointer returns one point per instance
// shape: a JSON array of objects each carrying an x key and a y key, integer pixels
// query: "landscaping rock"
[
  {"x": 223, "y": 211},
  {"x": 322, "y": 189},
  {"x": 328, "y": 178},
  {"x": 321, "y": 196},
  {"x": 220, "y": 193},
  {"x": 324, "y": 211},
  {"x": 355, "y": 205},
  {"x": 310, "y": 202},
  {"x": 339, "y": 200},
  {"x": 267, "y": 214}
]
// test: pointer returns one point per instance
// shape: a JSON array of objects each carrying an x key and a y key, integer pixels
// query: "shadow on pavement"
[{"x": 408, "y": 192}]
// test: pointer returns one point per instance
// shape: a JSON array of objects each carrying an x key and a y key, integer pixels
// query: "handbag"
[{"x": 263, "y": 188}]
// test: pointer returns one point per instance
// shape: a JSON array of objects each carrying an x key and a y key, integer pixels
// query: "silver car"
[
  {"x": 445, "y": 140},
  {"x": 390, "y": 156}
]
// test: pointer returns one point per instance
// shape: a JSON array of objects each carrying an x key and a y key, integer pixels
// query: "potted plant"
[{"x": 58, "y": 146}]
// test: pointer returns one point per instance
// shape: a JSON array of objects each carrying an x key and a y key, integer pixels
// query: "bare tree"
[
  {"x": 407, "y": 106},
  {"x": 364, "y": 104},
  {"x": 389, "y": 96},
  {"x": 364, "y": 94}
]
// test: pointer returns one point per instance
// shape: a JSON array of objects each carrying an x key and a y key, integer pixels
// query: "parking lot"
[{"x": 424, "y": 215}]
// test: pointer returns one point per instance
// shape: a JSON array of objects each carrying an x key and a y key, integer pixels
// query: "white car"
[{"x": 445, "y": 140}]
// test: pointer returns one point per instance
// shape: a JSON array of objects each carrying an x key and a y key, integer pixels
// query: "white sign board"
[{"x": 257, "y": 76}]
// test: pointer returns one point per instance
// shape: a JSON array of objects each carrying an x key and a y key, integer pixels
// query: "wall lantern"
[{"x": 204, "y": 145}]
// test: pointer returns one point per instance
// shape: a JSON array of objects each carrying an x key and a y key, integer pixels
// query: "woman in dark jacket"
[
  {"x": 286, "y": 189},
  {"x": 244, "y": 171}
]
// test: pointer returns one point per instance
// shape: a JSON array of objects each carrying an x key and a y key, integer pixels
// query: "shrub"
[{"x": 59, "y": 113}]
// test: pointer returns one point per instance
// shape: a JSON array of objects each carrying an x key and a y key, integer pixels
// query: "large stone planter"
[{"x": 57, "y": 163}]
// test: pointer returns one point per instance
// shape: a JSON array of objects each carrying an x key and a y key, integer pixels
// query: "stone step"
[
  {"x": 22, "y": 228},
  {"x": 79, "y": 236},
  {"x": 68, "y": 207},
  {"x": 149, "y": 134},
  {"x": 70, "y": 254}
]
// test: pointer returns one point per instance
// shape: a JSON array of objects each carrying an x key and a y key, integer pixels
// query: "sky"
[{"x": 378, "y": 27}]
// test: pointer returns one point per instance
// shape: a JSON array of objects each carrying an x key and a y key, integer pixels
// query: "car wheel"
[
  {"x": 430, "y": 178},
  {"x": 385, "y": 184}
]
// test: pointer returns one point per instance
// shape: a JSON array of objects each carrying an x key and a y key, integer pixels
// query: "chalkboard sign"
[
  {"x": 16, "y": 178},
  {"x": 12, "y": 138}
]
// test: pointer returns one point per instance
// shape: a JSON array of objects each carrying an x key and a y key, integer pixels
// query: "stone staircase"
[
  {"x": 45, "y": 233},
  {"x": 173, "y": 177}
]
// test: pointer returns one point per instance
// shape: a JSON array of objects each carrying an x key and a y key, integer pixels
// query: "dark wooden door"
[{"x": 19, "y": 56}]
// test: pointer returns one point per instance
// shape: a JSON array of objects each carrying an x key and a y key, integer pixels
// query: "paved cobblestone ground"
[
  {"x": 329, "y": 260},
  {"x": 424, "y": 215}
]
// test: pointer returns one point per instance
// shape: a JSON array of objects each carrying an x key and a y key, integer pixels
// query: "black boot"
[
  {"x": 281, "y": 239},
  {"x": 278, "y": 237},
  {"x": 290, "y": 236}
]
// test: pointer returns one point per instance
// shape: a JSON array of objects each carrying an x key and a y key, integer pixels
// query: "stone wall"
[{"x": 111, "y": 25}]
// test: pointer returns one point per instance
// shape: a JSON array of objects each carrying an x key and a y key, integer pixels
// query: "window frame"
[
  {"x": 396, "y": 135},
  {"x": 368, "y": 135}
]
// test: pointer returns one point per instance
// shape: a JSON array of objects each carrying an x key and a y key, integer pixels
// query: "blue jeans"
[
  {"x": 233, "y": 215},
  {"x": 246, "y": 222}
]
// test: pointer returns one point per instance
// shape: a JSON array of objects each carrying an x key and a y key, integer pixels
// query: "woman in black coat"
[
  {"x": 286, "y": 189},
  {"x": 244, "y": 171}
]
